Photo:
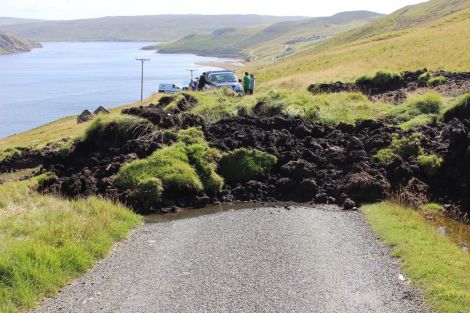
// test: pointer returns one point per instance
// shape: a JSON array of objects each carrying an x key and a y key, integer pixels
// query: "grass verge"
[
  {"x": 430, "y": 260},
  {"x": 46, "y": 241}
]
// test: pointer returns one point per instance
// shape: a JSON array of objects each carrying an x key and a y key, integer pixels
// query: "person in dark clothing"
[{"x": 203, "y": 82}]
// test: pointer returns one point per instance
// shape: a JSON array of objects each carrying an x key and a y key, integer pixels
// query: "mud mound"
[
  {"x": 165, "y": 120},
  {"x": 396, "y": 88},
  {"x": 29, "y": 158}
]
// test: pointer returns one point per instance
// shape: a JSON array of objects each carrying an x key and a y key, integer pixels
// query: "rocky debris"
[
  {"x": 396, "y": 90},
  {"x": 349, "y": 205},
  {"x": 101, "y": 110},
  {"x": 332, "y": 87},
  {"x": 85, "y": 116}
]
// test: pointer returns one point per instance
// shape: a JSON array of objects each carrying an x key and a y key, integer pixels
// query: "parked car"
[
  {"x": 221, "y": 79},
  {"x": 169, "y": 88}
]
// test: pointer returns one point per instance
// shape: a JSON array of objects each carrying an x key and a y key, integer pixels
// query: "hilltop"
[
  {"x": 11, "y": 44},
  {"x": 136, "y": 28},
  {"x": 262, "y": 40}
]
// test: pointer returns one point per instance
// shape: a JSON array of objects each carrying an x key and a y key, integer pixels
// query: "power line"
[{"x": 142, "y": 78}]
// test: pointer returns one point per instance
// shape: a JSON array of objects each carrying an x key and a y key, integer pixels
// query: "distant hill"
[
  {"x": 136, "y": 28},
  {"x": 255, "y": 41},
  {"x": 11, "y": 44},
  {"x": 433, "y": 35},
  {"x": 408, "y": 17},
  {"x": 15, "y": 20}
]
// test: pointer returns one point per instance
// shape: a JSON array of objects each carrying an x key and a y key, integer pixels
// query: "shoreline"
[{"x": 227, "y": 65}]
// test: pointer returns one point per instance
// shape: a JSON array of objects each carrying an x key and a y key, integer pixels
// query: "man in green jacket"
[{"x": 247, "y": 83}]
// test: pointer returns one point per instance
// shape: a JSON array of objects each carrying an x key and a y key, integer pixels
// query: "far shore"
[{"x": 228, "y": 64}]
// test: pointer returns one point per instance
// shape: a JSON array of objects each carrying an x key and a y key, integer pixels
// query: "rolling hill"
[
  {"x": 431, "y": 35},
  {"x": 254, "y": 41},
  {"x": 15, "y": 20},
  {"x": 11, "y": 44},
  {"x": 136, "y": 28}
]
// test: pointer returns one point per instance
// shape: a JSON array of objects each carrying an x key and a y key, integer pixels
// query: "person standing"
[
  {"x": 203, "y": 82},
  {"x": 246, "y": 83},
  {"x": 252, "y": 84}
]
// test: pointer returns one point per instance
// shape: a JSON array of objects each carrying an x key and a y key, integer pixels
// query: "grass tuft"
[
  {"x": 403, "y": 147},
  {"x": 186, "y": 166},
  {"x": 430, "y": 164},
  {"x": 242, "y": 165}
]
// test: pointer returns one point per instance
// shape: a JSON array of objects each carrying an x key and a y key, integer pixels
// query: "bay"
[{"x": 64, "y": 78}]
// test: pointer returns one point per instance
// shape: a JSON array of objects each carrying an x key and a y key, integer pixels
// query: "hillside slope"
[
  {"x": 435, "y": 43},
  {"x": 136, "y": 28},
  {"x": 11, "y": 44},
  {"x": 253, "y": 41}
]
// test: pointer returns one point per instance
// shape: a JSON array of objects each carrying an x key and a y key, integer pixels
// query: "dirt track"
[{"x": 265, "y": 260}]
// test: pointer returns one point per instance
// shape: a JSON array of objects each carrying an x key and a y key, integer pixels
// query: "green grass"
[
  {"x": 403, "y": 147},
  {"x": 379, "y": 79},
  {"x": 186, "y": 166},
  {"x": 242, "y": 165},
  {"x": 431, "y": 261},
  {"x": 46, "y": 241},
  {"x": 430, "y": 164},
  {"x": 112, "y": 130}
]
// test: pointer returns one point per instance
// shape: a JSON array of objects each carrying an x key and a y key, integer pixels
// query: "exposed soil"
[
  {"x": 315, "y": 162},
  {"x": 396, "y": 91}
]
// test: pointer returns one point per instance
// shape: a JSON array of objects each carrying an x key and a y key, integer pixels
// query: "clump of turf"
[
  {"x": 418, "y": 110},
  {"x": 381, "y": 80},
  {"x": 427, "y": 79},
  {"x": 403, "y": 147},
  {"x": 114, "y": 131},
  {"x": 270, "y": 104},
  {"x": 186, "y": 166},
  {"x": 243, "y": 164},
  {"x": 430, "y": 164},
  {"x": 461, "y": 110}
]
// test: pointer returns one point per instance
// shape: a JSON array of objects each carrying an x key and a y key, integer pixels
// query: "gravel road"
[{"x": 316, "y": 259}]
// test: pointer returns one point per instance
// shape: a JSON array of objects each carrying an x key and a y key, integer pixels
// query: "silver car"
[{"x": 220, "y": 79}]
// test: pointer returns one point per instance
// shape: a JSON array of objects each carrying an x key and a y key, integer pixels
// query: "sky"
[{"x": 75, "y": 9}]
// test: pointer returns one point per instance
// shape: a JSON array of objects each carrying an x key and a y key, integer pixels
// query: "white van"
[{"x": 169, "y": 88}]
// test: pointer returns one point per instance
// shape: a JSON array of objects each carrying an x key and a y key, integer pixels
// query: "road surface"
[{"x": 316, "y": 259}]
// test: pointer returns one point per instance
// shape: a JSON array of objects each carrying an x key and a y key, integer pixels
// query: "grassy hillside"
[
  {"x": 11, "y": 44},
  {"x": 435, "y": 43},
  {"x": 136, "y": 28},
  {"x": 263, "y": 40}
]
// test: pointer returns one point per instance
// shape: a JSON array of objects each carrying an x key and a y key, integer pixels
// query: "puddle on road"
[
  {"x": 212, "y": 209},
  {"x": 459, "y": 233}
]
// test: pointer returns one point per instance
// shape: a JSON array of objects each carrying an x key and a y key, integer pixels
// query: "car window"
[{"x": 223, "y": 77}]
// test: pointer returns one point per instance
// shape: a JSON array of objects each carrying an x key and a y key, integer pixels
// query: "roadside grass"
[
  {"x": 431, "y": 261},
  {"x": 46, "y": 241}
]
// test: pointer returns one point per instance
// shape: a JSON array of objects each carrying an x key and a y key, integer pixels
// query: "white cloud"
[{"x": 72, "y": 9}]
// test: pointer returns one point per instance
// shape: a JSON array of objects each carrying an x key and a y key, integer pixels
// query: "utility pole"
[
  {"x": 192, "y": 71},
  {"x": 142, "y": 78}
]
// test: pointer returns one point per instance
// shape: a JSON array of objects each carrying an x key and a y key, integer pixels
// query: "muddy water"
[
  {"x": 459, "y": 233},
  {"x": 212, "y": 209}
]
